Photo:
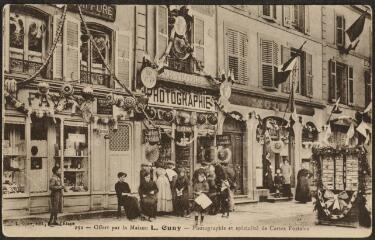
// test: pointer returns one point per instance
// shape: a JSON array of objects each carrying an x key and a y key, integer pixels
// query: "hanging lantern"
[
  {"x": 201, "y": 119},
  {"x": 43, "y": 88},
  {"x": 129, "y": 102},
  {"x": 212, "y": 119},
  {"x": 67, "y": 90},
  {"x": 87, "y": 93},
  {"x": 10, "y": 85}
]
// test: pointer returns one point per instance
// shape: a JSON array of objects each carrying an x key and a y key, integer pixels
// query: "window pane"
[
  {"x": 36, "y": 34},
  {"x": 16, "y": 30},
  {"x": 267, "y": 10}
]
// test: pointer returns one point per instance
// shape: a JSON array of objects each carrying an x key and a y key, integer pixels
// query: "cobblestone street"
[{"x": 261, "y": 219}]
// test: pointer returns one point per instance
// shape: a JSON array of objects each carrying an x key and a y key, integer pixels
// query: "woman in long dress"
[
  {"x": 182, "y": 193},
  {"x": 267, "y": 173},
  {"x": 147, "y": 192},
  {"x": 303, "y": 194},
  {"x": 56, "y": 195},
  {"x": 125, "y": 199},
  {"x": 164, "y": 195}
]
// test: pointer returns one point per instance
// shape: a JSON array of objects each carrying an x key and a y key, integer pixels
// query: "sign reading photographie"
[
  {"x": 174, "y": 97},
  {"x": 103, "y": 11}
]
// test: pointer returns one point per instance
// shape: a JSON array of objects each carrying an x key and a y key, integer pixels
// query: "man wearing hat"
[
  {"x": 172, "y": 177},
  {"x": 145, "y": 170}
]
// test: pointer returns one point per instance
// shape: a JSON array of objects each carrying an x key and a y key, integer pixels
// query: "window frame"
[
  {"x": 337, "y": 89},
  {"x": 368, "y": 87},
  {"x": 342, "y": 44},
  {"x": 273, "y": 12},
  {"x": 274, "y": 64}
]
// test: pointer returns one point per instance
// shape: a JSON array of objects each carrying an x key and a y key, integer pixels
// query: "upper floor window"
[
  {"x": 269, "y": 12},
  {"x": 269, "y": 61},
  {"x": 340, "y": 30},
  {"x": 237, "y": 54},
  {"x": 341, "y": 84},
  {"x": 93, "y": 67},
  {"x": 27, "y": 41},
  {"x": 368, "y": 87},
  {"x": 297, "y": 16}
]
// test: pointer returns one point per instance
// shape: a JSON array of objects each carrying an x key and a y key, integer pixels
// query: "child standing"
[
  {"x": 279, "y": 181},
  {"x": 200, "y": 187}
]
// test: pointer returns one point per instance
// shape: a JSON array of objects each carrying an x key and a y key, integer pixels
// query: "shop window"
[
  {"x": 165, "y": 152},
  {"x": 76, "y": 162},
  {"x": 204, "y": 149},
  {"x": 27, "y": 41},
  {"x": 184, "y": 152},
  {"x": 119, "y": 140},
  {"x": 368, "y": 88},
  {"x": 341, "y": 82},
  {"x": 269, "y": 12},
  {"x": 237, "y": 54},
  {"x": 269, "y": 50},
  {"x": 340, "y": 31},
  {"x": 14, "y": 160},
  {"x": 93, "y": 69}
]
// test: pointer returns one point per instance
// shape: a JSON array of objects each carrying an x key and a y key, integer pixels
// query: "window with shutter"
[
  {"x": 269, "y": 12},
  {"x": 269, "y": 62},
  {"x": 72, "y": 32},
  {"x": 199, "y": 40},
  {"x": 237, "y": 53},
  {"x": 340, "y": 30},
  {"x": 307, "y": 19},
  {"x": 350, "y": 86},
  {"x": 368, "y": 87},
  {"x": 285, "y": 56},
  {"x": 299, "y": 17},
  {"x": 309, "y": 75},
  {"x": 58, "y": 54},
  {"x": 161, "y": 30},
  {"x": 123, "y": 43},
  {"x": 332, "y": 80},
  {"x": 342, "y": 82}
]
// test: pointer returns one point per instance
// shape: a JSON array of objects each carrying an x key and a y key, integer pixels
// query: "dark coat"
[
  {"x": 303, "y": 190},
  {"x": 182, "y": 202},
  {"x": 56, "y": 194},
  {"x": 130, "y": 203},
  {"x": 149, "y": 201}
]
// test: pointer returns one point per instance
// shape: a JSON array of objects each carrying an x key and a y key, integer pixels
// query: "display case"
[
  {"x": 75, "y": 159},
  {"x": 14, "y": 160}
]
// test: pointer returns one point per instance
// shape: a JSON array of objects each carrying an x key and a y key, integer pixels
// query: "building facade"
[{"x": 77, "y": 113}]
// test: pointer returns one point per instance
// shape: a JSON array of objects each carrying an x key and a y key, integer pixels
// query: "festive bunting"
[{"x": 349, "y": 134}]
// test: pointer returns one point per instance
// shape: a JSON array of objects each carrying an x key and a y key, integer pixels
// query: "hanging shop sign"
[
  {"x": 223, "y": 140},
  {"x": 148, "y": 77},
  {"x": 185, "y": 78},
  {"x": 178, "y": 98},
  {"x": 103, "y": 107},
  {"x": 151, "y": 136},
  {"x": 103, "y": 11}
]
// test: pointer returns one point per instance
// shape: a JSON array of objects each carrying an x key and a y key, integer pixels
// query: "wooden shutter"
[
  {"x": 72, "y": 34},
  {"x": 350, "y": 85},
  {"x": 161, "y": 30},
  {"x": 243, "y": 54},
  {"x": 199, "y": 39},
  {"x": 232, "y": 52},
  {"x": 301, "y": 18},
  {"x": 307, "y": 19},
  {"x": 287, "y": 15},
  {"x": 340, "y": 30},
  {"x": 332, "y": 80},
  {"x": 122, "y": 64},
  {"x": 6, "y": 17},
  {"x": 58, "y": 54},
  {"x": 309, "y": 75},
  {"x": 285, "y": 56},
  {"x": 267, "y": 62},
  {"x": 266, "y": 10}
]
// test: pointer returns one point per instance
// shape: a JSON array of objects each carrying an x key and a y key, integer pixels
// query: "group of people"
[
  {"x": 166, "y": 189},
  {"x": 280, "y": 185}
]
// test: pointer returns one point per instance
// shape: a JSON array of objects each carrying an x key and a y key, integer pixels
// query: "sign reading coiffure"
[
  {"x": 104, "y": 11},
  {"x": 178, "y": 98}
]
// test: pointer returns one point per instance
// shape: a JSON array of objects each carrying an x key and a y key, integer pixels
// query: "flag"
[
  {"x": 349, "y": 134},
  {"x": 327, "y": 134},
  {"x": 368, "y": 108},
  {"x": 336, "y": 108},
  {"x": 284, "y": 70},
  {"x": 356, "y": 28}
]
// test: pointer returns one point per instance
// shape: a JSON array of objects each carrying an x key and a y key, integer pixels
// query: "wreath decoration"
[
  {"x": 328, "y": 199},
  {"x": 224, "y": 154}
]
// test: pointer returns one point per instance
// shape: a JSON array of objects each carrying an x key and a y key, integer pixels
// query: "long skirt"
[
  {"x": 182, "y": 204},
  {"x": 131, "y": 207},
  {"x": 56, "y": 201},
  {"x": 215, "y": 206},
  {"x": 303, "y": 190},
  {"x": 148, "y": 206},
  {"x": 164, "y": 195},
  {"x": 231, "y": 200},
  {"x": 224, "y": 201}
]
